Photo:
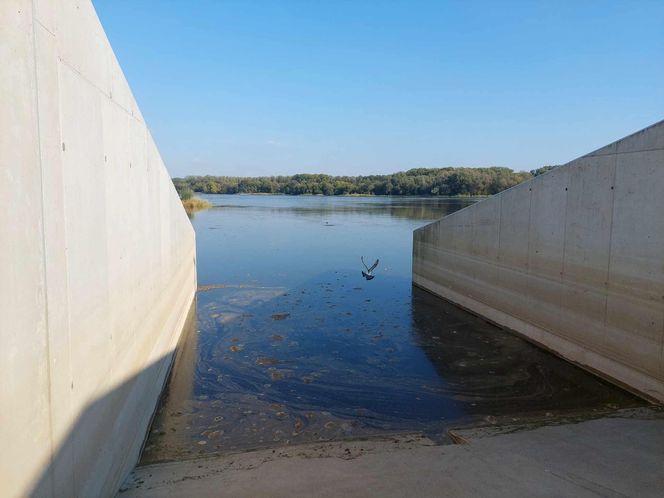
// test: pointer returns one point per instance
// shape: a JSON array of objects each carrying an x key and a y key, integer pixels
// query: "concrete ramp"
[
  {"x": 97, "y": 257},
  {"x": 572, "y": 259}
]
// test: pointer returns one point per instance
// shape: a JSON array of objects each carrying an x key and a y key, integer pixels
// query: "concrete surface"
[
  {"x": 607, "y": 457},
  {"x": 573, "y": 260},
  {"x": 97, "y": 257}
]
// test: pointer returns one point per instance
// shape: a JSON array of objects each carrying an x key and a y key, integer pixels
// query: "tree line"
[{"x": 418, "y": 181}]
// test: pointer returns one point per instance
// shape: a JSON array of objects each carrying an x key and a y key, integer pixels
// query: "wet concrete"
[{"x": 614, "y": 456}]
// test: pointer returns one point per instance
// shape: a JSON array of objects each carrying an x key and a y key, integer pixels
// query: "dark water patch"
[{"x": 368, "y": 366}]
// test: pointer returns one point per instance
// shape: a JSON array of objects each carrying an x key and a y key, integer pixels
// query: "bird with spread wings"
[{"x": 369, "y": 273}]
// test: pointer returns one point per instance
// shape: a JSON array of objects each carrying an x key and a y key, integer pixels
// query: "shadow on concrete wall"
[{"x": 96, "y": 456}]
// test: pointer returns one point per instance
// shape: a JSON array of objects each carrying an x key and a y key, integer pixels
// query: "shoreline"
[{"x": 357, "y": 195}]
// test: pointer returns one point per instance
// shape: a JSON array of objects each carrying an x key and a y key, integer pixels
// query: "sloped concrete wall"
[
  {"x": 573, "y": 260},
  {"x": 97, "y": 257}
]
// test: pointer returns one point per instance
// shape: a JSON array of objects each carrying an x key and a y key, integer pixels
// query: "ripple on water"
[{"x": 331, "y": 360}]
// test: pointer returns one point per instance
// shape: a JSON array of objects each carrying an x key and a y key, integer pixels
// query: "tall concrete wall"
[
  {"x": 573, "y": 260},
  {"x": 96, "y": 253}
]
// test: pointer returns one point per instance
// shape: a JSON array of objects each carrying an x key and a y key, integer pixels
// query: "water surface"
[{"x": 290, "y": 344}]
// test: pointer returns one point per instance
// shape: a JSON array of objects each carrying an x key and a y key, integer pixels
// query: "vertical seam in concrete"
[
  {"x": 661, "y": 349},
  {"x": 58, "y": 64},
  {"x": 564, "y": 249},
  {"x": 43, "y": 240},
  {"x": 102, "y": 113},
  {"x": 608, "y": 261},
  {"x": 528, "y": 294},
  {"x": 500, "y": 231},
  {"x": 530, "y": 221},
  {"x": 562, "y": 270}
]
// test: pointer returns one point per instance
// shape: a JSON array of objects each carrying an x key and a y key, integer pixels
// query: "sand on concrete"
[{"x": 616, "y": 456}]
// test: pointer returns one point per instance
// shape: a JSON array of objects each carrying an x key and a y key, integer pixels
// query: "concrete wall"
[
  {"x": 573, "y": 260},
  {"x": 97, "y": 257}
]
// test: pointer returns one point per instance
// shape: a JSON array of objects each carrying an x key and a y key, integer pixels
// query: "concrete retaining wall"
[
  {"x": 573, "y": 260},
  {"x": 97, "y": 257}
]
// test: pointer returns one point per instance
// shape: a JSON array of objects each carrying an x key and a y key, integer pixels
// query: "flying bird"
[{"x": 369, "y": 273}]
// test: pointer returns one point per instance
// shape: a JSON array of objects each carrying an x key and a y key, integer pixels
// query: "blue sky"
[{"x": 357, "y": 87}]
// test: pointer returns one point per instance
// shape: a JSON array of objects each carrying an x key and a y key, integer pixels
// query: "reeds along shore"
[{"x": 195, "y": 204}]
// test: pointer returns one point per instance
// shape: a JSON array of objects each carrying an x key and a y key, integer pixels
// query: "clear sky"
[{"x": 253, "y": 87}]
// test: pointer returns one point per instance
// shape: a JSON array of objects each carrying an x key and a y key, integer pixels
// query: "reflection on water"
[
  {"x": 293, "y": 345},
  {"x": 411, "y": 208}
]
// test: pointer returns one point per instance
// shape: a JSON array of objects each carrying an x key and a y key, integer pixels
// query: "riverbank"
[
  {"x": 389, "y": 196},
  {"x": 613, "y": 456}
]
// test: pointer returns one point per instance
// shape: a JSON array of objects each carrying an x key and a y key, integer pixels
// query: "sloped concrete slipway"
[
  {"x": 97, "y": 257},
  {"x": 573, "y": 260},
  {"x": 617, "y": 456}
]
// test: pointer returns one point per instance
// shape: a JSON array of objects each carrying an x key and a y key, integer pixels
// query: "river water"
[{"x": 288, "y": 343}]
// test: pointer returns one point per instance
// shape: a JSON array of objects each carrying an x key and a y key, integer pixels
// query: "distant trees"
[
  {"x": 543, "y": 169},
  {"x": 418, "y": 181},
  {"x": 184, "y": 191}
]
